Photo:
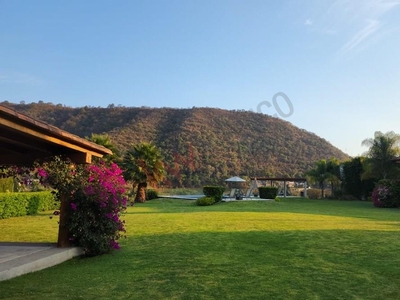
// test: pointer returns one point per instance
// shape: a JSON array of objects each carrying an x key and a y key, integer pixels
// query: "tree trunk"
[
  {"x": 63, "y": 232},
  {"x": 132, "y": 193},
  {"x": 141, "y": 192},
  {"x": 322, "y": 189}
]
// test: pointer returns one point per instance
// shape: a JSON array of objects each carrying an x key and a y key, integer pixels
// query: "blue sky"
[{"x": 337, "y": 63}]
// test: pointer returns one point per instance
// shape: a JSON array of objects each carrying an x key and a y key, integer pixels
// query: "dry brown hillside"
[{"x": 200, "y": 145}]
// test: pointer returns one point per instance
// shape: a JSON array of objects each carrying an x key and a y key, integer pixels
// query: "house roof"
[{"x": 24, "y": 139}]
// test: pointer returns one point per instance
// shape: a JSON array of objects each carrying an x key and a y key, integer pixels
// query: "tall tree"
[
  {"x": 143, "y": 164},
  {"x": 320, "y": 175},
  {"x": 352, "y": 181},
  {"x": 105, "y": 141},
  {"x": 383, "y": 148},
  {"x": 333, "y": 167}
]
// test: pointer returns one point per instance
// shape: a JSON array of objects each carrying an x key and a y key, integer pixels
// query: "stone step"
[{"x": 21, "y": 258}]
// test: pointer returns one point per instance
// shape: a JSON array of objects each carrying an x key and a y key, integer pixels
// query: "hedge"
[
  {"x": 314, "y": 193},
  {"x": 214, "y": 191},
  {"x": 7, "y": 185},
  {"x": 268, "y": 192},
  {"x": 28, "y": 203},
  {"x": 205, "y": 201},
  {"x": 151, "y": 194}
]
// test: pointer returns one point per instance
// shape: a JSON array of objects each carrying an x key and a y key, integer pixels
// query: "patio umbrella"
[
  {"x": 236, "y": 182},
  {"x": 235, "y": 179}
]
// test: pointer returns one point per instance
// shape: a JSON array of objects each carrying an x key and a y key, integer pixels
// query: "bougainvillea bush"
[
  {"x": 386, "y": 194},
  {"x": 96, "y": 198}
]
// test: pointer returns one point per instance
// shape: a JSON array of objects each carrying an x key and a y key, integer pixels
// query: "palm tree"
[
  {"x": 333, "y": 167},
  {"x": 105, "y": 141},
  {"x": 383, "y": 148},
  {"x": 143, "y": 164},
  {"x": 320, "y": 175}
]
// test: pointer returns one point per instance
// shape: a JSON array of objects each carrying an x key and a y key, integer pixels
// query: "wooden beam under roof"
[{"x": 24, "y": 139}]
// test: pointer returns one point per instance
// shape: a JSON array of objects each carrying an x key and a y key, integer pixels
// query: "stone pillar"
[
  {"x": 305, "y": 189},
  {"x": 284, "y": 188}
]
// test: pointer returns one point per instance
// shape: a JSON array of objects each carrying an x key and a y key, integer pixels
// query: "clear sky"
[{"x": 337, "y": 63}]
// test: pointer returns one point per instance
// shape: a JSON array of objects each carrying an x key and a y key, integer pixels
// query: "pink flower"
[
  {"x": 114, "y": 245},
  {"x": 74, "y": 206},
  {"x": 42, "y": 173}
]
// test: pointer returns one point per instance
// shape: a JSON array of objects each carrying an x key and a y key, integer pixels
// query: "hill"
[{"x": 200, "y": 145}]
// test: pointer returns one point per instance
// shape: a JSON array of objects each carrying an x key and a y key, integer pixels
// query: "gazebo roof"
[{"x": 24, "y": 139}]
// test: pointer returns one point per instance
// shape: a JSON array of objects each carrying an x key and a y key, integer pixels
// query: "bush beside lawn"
[{"x": 26, "y": 203}]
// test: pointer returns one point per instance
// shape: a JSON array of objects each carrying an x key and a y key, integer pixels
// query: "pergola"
[
  {"x": 284, "y": 180},
  {"x": 24, "y": 140}
]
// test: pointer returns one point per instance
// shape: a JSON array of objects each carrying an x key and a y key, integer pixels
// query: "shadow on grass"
[{"x": 313, "y": 264}]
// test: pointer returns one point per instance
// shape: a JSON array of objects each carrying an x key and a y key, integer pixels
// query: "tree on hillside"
[
  {"x": 105, "y": 141},
  {"x": 319, "y": 175},
  {"x": 382, "y": 149},
  {"x": 143, "y": 164}
]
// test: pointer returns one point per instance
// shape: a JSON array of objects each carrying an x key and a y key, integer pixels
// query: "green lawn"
[{"x": 293, "y": 249}]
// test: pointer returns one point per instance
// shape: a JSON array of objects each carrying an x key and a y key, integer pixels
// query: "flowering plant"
[
  {"x": 387, "y": 194},
  {"x": 96, "y": 202},
  {"x": 381, "y": 196},
  {"x": 95, "y": 210}
]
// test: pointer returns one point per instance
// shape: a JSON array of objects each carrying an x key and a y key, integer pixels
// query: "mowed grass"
[{"x": 293, "y": 249}]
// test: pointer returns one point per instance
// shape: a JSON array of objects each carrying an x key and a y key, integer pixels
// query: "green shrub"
[
  {"x": 13, "y": 205},
  {"x": 214, "y": 191},
  {"x": 26, "y": 203},
  {"x": 41, "y": 201},
  {"x": 7, "y": 185},
  {"x": 268, "y": 192},
  {"x": 33, "y": 205},
  {"x": 151, "y": 194},
  {"x": 205, "y": 201},
  {"x": 47, "y": 200},
  {"x": 313, "y": 193}
]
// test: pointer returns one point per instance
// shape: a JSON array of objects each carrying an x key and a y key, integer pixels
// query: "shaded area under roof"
[{"x": 24, "y": 140}]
